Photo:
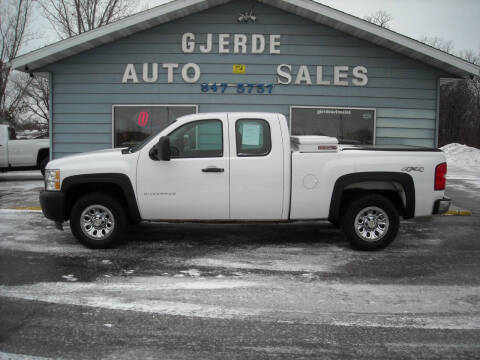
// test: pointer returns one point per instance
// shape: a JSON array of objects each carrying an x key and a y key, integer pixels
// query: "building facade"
[{"x": 322, "y": 73}]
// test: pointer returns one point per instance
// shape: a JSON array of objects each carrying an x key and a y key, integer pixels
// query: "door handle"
[{"x": 213, "y": 170}]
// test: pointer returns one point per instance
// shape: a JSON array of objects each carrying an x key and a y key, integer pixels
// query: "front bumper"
[
  {"x": 53, "y": 205},
  {"x": 441, "y": 206}
]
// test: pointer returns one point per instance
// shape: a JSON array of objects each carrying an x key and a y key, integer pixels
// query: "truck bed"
[{"x": 345, "y": 147}]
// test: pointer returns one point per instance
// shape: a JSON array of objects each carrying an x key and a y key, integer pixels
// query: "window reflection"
[
  {"x": 134, "y": 123},
  {"x": 350, "y": 126},
  {"x": 202, "y": 138}
]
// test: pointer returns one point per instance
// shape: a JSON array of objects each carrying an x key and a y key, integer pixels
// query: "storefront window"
[
  {"x": 350, "y": 126},
  {"x": 134, "y": 123}
]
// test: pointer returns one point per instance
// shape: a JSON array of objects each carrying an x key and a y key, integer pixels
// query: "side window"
[
  {"x": 197, "y": 139},
  {"x": 253, "y": 137}
]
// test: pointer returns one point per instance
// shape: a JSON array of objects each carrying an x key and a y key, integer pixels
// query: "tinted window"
[
  {"x": 197, "y": 139},
  {"x": 253, "y": 137},
  {"x": 350, "y": 126},
  {"x": 134, "y": 123}
]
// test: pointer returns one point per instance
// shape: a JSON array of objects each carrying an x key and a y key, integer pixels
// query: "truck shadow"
[{"x": 242, "y": 234}]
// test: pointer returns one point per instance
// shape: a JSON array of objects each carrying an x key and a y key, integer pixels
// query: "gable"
[{"x": 295, "y": 42}]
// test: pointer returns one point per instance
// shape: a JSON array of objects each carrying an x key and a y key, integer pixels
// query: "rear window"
[{"x": 253, "y": 137}]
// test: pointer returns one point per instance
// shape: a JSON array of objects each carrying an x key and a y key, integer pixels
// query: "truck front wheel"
[
  {"x": 98, "y": 220},
  {"x": 371, "y": 222}
]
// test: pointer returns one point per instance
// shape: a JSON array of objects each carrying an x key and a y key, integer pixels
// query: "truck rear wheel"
[
  {"x": 98, "y": 220},
  {"x": 371, "y": 222}
]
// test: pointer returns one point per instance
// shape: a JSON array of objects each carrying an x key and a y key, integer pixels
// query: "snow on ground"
[
  {"x": 463, "y": 165},
  {"x": 20, "y": 186},
  {"x": 271, "y": 299},
  {"x": 279, "y": 258},
  {"x": 12, "y": 356},
  {"x": 18, "y": 181},
  {"x": 20, "y": 189},
  {"x": 30, "y": 231},
  {"x": 462, "y": 160}
]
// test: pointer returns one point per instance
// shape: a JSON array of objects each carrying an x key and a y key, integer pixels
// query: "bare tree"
[
  {"x": 460, "y": 108},
  {"x": 470, "y": 56},
  {"x": 459, "y": 100},
  {"x": 33, "y": 105},
  {"x": 380, "y": 18},
  {"x": 14, "y": 17},
  {"x": 439, "y": 43},
  {"x": 36, "y": 98},
  {"x": 473, "y": 82},
  {"x": 73, "y": 17}
]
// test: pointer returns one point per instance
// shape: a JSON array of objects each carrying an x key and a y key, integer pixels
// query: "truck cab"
[
  {"x": 244, "y": 167},
  {"x": 233, "y": 164}
]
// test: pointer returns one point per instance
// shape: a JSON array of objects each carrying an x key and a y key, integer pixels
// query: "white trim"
[
  {"x": 140, "y": 105},
  {"x": 340, "y": 108}
]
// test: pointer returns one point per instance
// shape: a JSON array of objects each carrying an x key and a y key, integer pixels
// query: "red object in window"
[
  {"x": 143, "y": 118},
  {"x": 440, "y": 176}
]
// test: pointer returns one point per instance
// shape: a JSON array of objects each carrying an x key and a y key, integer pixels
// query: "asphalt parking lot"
[{"x": 190, "y": 291}]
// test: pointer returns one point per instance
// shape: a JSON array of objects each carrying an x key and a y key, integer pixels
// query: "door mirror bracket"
[{"x": 161, "y": 151}]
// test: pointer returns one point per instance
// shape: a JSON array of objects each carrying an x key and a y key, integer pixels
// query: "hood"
[{"x": 100, "y": 159}]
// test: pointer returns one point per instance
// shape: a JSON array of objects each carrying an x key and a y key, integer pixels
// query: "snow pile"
[{"x": 462, "y": 156}]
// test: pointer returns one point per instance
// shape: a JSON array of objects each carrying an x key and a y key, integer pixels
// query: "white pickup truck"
[
  {"x": 232, "y": 167},
  {"x": 22, "y": 154}
]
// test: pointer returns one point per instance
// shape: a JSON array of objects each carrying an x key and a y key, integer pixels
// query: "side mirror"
[{"x": 161, "y": 151}]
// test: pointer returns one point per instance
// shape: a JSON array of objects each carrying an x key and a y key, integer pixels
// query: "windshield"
[{"x": 140, "y": 145}]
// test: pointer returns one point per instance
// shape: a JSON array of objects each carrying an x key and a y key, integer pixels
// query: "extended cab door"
[
  {"x": 194, "y": 184},
  {"x": 256, "y": 167}
]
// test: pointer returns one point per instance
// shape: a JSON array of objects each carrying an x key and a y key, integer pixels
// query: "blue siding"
[{"x": 85, "y": 86}]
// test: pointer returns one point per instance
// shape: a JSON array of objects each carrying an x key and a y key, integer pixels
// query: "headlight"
[{"x": 52, "y": 180}]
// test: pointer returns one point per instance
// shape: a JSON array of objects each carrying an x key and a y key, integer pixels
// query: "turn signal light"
[
  {"x": 440, "y": 176},
  {"x": 52, "y": 180}
]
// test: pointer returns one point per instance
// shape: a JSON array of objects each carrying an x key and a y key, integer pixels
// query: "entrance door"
[
  {"x": 194, "y": 184},
  {"x": 256, "y": 168}
]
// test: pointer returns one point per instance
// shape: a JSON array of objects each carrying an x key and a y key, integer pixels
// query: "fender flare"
[
  {"x": 342, "y": 182},
  {"x": 122, "y": 180}
]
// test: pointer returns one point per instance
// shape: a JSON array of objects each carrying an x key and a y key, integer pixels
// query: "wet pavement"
[
  {"x": 283, "y": 291},
  {"x": 20, "y": 189}
]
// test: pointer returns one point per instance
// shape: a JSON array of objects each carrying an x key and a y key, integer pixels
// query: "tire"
[
  {"x": 109, "y": 216},
  {"x": 382, "y": 228},
  {"x": 43, "y": 164}
]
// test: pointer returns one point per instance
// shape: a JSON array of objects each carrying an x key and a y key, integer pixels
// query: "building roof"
[{"x": 305, "y": 8}]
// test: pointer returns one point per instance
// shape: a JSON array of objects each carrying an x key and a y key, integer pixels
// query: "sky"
[{"x": 455, "y": 20}]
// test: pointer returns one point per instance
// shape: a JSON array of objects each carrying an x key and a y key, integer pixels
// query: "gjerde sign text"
[{"x": 242, "y": 44}]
